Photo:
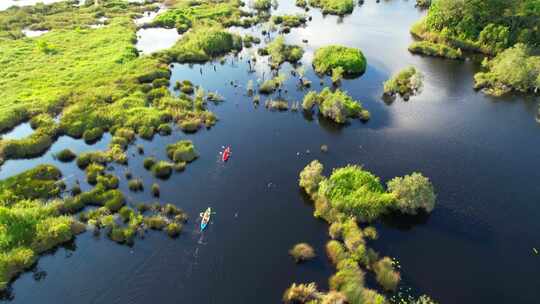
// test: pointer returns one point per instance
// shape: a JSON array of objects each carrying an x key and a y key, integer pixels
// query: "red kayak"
[{"x": 226, "y": 154}]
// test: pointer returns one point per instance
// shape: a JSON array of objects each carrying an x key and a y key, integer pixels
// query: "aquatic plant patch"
[
  {"x": 405, "y": 83},
  {"x": 334, "y": 7},
  {"x": 351, "y": 60},
  {"x": 337, "y": 106},
  {"x": 347, "y": 250}
]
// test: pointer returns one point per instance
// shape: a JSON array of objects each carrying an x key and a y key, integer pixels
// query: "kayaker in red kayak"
[{"x": 226, "y": 154}]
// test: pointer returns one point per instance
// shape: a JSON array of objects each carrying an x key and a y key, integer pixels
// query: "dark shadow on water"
[{"x": 404, "y": 222}]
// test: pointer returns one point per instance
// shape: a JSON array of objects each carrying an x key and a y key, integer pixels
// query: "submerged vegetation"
[
  {"x": 337, "y": 105},
  {"x": 328, "y": 58},
  {"x": 406, "y": 83},
  {"x": 349, "y": 195}
]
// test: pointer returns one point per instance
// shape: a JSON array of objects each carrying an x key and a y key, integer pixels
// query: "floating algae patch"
[{"x": 150, "y": 40}]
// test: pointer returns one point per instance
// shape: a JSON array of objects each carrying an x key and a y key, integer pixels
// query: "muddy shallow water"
[{"x": 481, "y": 153}]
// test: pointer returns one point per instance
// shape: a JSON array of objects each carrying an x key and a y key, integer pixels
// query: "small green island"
[
  {"x": 348, "y": 197},
  {"x": 329, "y": 58},
  {"x": 405, "y": 83},
  {"x": 337, "y": 105}
]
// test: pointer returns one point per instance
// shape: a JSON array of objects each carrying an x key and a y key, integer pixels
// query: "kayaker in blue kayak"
[{"x": 205, "y": 218}]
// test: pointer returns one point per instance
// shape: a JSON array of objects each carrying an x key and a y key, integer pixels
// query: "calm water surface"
[{"x": 481, "y": 153}]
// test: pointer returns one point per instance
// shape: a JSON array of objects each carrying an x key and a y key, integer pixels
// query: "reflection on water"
[
  {"x": 150, "y": 40},
  {"x": 21, "y": 131}
]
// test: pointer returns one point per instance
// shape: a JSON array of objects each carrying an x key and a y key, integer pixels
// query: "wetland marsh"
[{"x": 481, "y": 154}]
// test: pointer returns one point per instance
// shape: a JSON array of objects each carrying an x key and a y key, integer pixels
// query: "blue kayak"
[{"x": 205, "y": 218}]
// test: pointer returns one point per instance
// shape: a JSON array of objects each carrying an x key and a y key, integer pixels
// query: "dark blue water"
[{"x": 481, "y": 153}]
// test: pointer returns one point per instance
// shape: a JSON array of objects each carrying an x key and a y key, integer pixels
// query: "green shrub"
[
  {"x": 149, "y": 162},
  {"x": 405, "y": 83},
  {"x": 164, "y": 129},
  {"x": 155, "y": 222},
  {"x": 337, "y": 75},
  {"x": 93, "y": 135},
  {"x": 108, "y": 181},
  {"x": 301, "y": 293},
  {"x": 352, "y": 234},
  {"x": 371, "y": 233},
  {"x": 356, "y": 192},
  {"x": 334, "y": 7},
  {"x": 280, "y": 52},
  {"x": 386, "y": 275},
  {"x": 202, "y": 44},
  {"x": 41, "y": 182},
  {"x": 413, "y": 192},
  {"x": 75, "y": 190},
  {"x": 336, "y": 252},
  {"x": 278, "y": 105},
  {"x": 155, "y": 190},
  {"x": 423, "y": 3},
  {"x": 135, "y": 185},
  {"x": 337, "y": 106},
  {"x": 173, "y": 229},
  {"x": 65, "y": 155},
  {"x": 86, "y": 158},
  {"x": 349, "y": 280},
  {"x": 92, "y": 172},
  {"x": 13, "y": 262},
  {"x": 311, "y": 177},
  {"x": 262, "y": 4},
  {"x": 435, "y": 49},
  {"x": 271, "y": 85},
  {"x": 327, "y": 58},
  {"x": 182, "y": 151},
  {"x": 302, "y": 252},
  {"x": 301, "y": 3},
  {"x": 146, "y": 132},
  {"x": 32, "y": 146},
  {"x": 162, "y": 169},
  {"x": 514, "y": 69},
  {"x": 290, "y": 20}
]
